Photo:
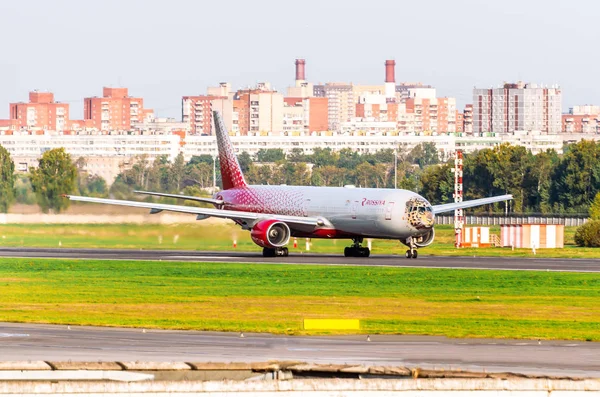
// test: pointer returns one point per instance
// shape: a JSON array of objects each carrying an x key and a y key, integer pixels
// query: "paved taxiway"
[
  {"x": 542, "y": 264},
  {"x": 58, "y": 343}
]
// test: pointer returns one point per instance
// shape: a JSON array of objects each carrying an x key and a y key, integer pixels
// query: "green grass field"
[
  {"x": 276, "y": 298},
  {"x": 211, "y": 236}
]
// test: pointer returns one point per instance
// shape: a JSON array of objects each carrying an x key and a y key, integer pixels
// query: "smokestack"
[
  {"x": 300, "y": 71},
  {"x": 390, "y": 66},
  {"x": 390, "y": 81}
]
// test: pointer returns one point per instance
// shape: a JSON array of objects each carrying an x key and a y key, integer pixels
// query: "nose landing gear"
[
  {"x": 357, "y": 250},
  {"x": 411, "y": 252}
]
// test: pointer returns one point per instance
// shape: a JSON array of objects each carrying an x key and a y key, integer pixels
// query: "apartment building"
[
  {"x": 305, "y": 114},
  {"x": 41, "y": 112},
  {"x": 115, "y": 110},
  {"x": 259, "y": 110},
  {"x": 414, "y": 90},
  {"x": 341, "y": 101},
  {"x": 582, "y": 119},
  {"x": 196, "y": 113},
  {"x": 517, "y": 107},
  {"x": 430, "y": 116},
  {"x": 468, "y": 119},
  {"x": 376, "y": 107},
  {"x": 581, "y": 123}
]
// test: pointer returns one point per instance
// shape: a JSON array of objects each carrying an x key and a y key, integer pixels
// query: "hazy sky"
[{"x": 162, "y": 50}]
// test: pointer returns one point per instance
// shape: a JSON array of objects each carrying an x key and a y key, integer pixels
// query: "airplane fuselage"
[{"x": 347, "y": 212}]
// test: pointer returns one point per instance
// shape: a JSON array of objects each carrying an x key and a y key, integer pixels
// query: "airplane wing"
[
  {"x": 438, "y": 209},
  {"x": 179, "y": 196},
  {"x": 247, "y": 218}
]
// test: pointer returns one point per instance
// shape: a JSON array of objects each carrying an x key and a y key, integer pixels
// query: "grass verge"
[
  {"x": 220, "y": 237},
  {"x": 276, "y": 298}
]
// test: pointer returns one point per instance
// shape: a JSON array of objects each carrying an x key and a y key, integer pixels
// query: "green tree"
[
  {"x": 348, "y": 159},
  {"x": 23, "y": 191},
  {"x": 297, "y": 155},
  {"x": 588, "y": 234},
  {"x": 576, "y": 177},
  {"x": 424, "y": 154},
  {"x": 55, "y": 176},
  {"x": 176, "y": 174},
  {"x": 595, "y": 208},
  {"x": 7, "y": 180},
  {"x": 245, "y": 160},
  {"x": 437, "y": 183},
  {"x": 300, "y": 175},
  {"x": 364, "y": 174},
  {"x": 269, "y": 155},
  {"x": 322, "y": 157},
  {"x": 199, "y": 174},
  {"x": 203, "y": 158}
]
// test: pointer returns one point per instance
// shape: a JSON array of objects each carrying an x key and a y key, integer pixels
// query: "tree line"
[{"x": 543, "y": 183}]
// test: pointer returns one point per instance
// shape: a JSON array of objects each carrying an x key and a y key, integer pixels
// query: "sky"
[{"x": 162, "y": 50}]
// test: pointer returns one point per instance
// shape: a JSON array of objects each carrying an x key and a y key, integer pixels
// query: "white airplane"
[{"x": 273, "y": 214}]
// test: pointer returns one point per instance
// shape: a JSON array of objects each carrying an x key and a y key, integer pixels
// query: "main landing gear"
[
  {"x": 411, "y": 252},
  {"x": 356, "y": 250},
  {"x": 271, "y": 252}
]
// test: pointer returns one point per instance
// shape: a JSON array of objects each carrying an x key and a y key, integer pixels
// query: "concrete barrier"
[
  {"x": 24, "y": 366},
  {"x": 85, "y": 365},
  {"x": 154, "y": 366},
  {"x": 236, "y": 366},
  {"x": 77, "y": 375},
  {"x": 318, "y": 387}
]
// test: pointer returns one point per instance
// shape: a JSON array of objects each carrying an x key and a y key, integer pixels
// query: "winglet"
[{"x": 231, "y": 173}]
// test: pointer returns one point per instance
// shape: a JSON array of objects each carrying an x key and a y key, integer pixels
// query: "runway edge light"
[{"x": 329, "y": 323}]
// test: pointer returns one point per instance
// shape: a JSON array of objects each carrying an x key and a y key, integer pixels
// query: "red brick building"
[
  {"x": 581, "y": 123},
  {"x": 115, "y": 110},
  {"x": 40, "y": 112}
]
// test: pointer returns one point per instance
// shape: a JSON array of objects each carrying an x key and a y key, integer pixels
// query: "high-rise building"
[
  {"x": 468, "y": 119},
  {"x": 341, "y": 102},
  {"x": 414, "y": 90},
  {"x": 41, "y": 112},
  {"x": 377, "y": 107},
  {"x": 115, "y": 110},
  {"x": 259, "y": 110},
  {"x": 517, "y": 107},
  {"x": 196, "y": 112},
  {"x": 305, "y": 115},
  {"x": 460, "y": 122},
  {"x": 430, "y": 116}
]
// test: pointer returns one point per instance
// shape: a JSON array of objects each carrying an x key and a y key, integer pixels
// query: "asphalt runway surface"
[
  {"x": 454, "y": 262},
  {"x": 59, "y": 343}
]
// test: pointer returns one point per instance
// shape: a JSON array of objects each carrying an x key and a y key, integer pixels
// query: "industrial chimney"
[
  {"x": 300, "y": 70},
  {"x": 390, "y": 80}
]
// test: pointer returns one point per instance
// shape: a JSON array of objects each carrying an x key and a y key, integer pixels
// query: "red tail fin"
[{"x": 231, "y": 173}]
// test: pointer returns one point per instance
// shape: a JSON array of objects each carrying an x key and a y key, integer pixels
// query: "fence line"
[{"x": 488, "y": 220}]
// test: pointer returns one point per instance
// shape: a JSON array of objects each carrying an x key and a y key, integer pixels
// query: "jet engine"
[
  {"x": 270, "y": 234},
  {"x": 425, "y": 239}
]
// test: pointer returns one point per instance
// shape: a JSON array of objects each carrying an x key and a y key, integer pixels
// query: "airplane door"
[
  {"x": 388, "y": 210},
  {"x": 306, "y": 206},
  {"x": 354, "y": 209}
]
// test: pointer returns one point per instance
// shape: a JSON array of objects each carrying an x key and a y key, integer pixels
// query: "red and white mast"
[{"x": 458, "y": 198}]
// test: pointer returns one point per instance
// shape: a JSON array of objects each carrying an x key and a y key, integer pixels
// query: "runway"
[
  {"x": 452, "y": 262},
  {"x": 58, "y": 343}
]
